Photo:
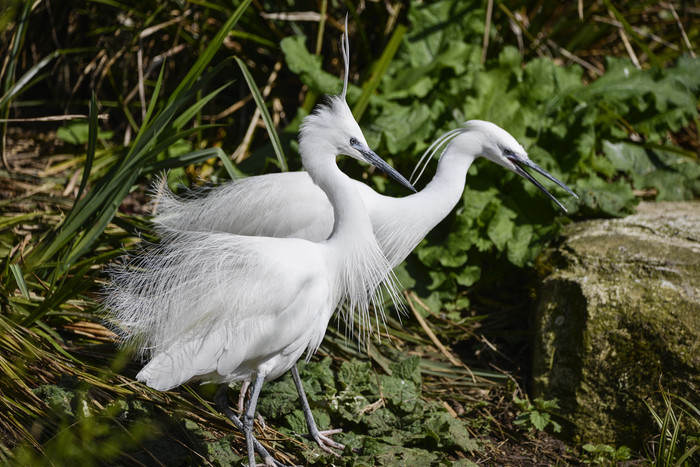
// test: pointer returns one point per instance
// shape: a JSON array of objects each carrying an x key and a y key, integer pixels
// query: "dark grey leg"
[
  {"x": 221, "y": 401},
  {"x": 319, "y": 436},
  {"x": 249, "y": 418}
]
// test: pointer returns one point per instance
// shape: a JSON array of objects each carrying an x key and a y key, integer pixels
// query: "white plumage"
[
  {"x": 221, "y": 307},
  {"x": 290, "y": 205}
]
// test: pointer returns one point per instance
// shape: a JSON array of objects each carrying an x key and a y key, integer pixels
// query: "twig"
[
  {"x": 627, "y": 44},
  {"x": 321, "y": 26},
  {"x": 51, "y": 118},
  {"x": 669, "y": 5},
  {"x": 637, "y": 30},
  {"x": 293, "y": 16},
  {"x": 229, "y": 110},
  {"x": 588, "y": 66},
  {"x": 141, "y": 86}
]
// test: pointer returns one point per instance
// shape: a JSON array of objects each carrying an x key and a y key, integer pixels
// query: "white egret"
[
  {"x": 290, "y": 205},
  {"x": 222, "y": 307}
]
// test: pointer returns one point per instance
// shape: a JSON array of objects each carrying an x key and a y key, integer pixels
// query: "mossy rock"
[{"x": 618, "y": 317}]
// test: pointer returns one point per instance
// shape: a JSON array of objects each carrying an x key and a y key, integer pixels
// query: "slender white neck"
[
  {"x": 444, "y": 191},
  {"x": 350, "y": 215},
  {"x": 403, "y": 222},
  {"x": 357, "y": 264}
]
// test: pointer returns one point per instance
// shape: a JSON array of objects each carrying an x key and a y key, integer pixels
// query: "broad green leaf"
[
  {"x": 308, "y": 66},
  {"x": 468, "y": 275},
  {"x": 500, "y": 229}
]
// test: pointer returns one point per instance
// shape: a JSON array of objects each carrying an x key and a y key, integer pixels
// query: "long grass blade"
[
  {"x": 193, "y": 157},
  {"x": 380, "y": 68},
  {"x": 190, "y": 113},
  {"x": 260, "y": 102},
  {"x": 91, "y": 145},
  {"x": 19, "y": 278},
  {"x": 19, "y": 86},
  {"x": 207, "y": 54}
]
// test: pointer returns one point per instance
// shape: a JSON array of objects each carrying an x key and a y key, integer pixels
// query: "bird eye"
[
  {"x": 507, "y": 152},
  {"x": 354, "y": 142}
]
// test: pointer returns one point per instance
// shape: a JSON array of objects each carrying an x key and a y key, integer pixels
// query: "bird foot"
[{"x": 325, "y": 443}]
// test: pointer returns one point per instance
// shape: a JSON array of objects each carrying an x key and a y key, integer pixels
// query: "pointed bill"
[
  {"x": 372, "y": 158},
  {"x": 519, "y": 162}
]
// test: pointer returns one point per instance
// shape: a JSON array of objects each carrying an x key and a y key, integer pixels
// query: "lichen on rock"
[{"x": 618, "y": 317}]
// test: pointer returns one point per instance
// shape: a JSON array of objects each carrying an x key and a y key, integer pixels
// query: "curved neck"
[
  {"x": 445, "y": 189},
  {"x": 350, "y": 215},
  {"x": 401, "y": 223}
]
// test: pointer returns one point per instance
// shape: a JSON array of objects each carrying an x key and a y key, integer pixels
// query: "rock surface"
[{"x": 618, "y": 317}]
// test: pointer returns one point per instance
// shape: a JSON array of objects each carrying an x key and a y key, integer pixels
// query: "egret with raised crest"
[{"x": 217, "y": 306}]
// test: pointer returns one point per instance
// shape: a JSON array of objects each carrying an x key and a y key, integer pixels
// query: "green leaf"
[
  {"x": 19, "y": 279},
  {"x": 301, "y": 62},
  {"x": 628, "y": 157},
  {"x": 519, "y": 245},
  {"x": 408, "y": 369},
  {"x": 468, "y": 275},
  {"x": 614, "y": 199},
  {"x": 93, "y": 134},
  {"x": 77, "y": 133},
  {"x": 500, "y": 229},
  {"x": 379, "y": 68}
]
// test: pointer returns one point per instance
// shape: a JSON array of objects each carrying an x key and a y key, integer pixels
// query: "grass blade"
[
  {"x": 206, "y": 56},
  {"x": 379, "y": 70},
  {"x": 91, "y": 145},
  {"x": 274, "y": 137},
  {"x": 19, "y": 278}
]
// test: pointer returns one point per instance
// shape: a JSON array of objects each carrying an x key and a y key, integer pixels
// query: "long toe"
[
  {"x": 261, "y": 421},
  {"x": 328, "y": 444},
  {"x": 324, "y": 442}
]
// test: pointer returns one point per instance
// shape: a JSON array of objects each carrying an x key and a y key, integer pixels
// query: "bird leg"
[
  {"x": 249, "y": 418},
  {"x": 241, "y": 402},
  {"x": 241, "y": 396},
  {"x": 319, "y": 436},
  {"x": 221, "y": 401}
]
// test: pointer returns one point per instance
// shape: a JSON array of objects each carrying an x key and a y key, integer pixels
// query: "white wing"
[
  {"x": 211, "y": 302},
  {"x": 290, "y": 205},
  {"x": 274, "y": 205}
]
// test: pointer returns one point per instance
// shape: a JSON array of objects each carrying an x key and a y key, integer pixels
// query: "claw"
[{"x": 324, "y": 442}]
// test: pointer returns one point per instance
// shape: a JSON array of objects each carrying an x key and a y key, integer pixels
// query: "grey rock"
[{"x": 618, "y": 318}]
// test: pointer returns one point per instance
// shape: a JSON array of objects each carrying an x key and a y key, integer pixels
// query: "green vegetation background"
[{"x": 602, "y": 95}]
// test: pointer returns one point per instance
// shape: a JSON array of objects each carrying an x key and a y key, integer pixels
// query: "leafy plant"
[
  {"x": 607, "y": 139},
  {"x": 384, "y": 415},
  {"x": 537, "y": 414},
  {"x": 603, "y": 454}
]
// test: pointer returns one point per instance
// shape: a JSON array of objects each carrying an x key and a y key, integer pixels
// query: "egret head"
[
  {"x": 333, "y": 127},
  {"x": 500, "y": 147}
]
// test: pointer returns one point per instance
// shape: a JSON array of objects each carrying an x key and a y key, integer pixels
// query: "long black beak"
[
  {"x": 372, "y": 158},
  {"x": 520, "y": 162}
]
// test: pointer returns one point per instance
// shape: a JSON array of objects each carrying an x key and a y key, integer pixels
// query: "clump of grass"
[{"x": 678, "y": 442}]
